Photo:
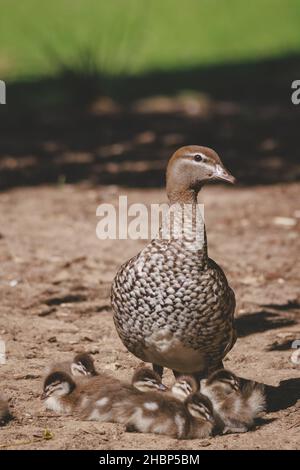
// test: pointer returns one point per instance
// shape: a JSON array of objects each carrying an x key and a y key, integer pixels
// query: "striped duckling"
[
  {"x": 236, "y": 405},
  {"x": 202, "y": 419},
  {"x": 82, "y": 365},
  {"x": 184, "y": 386}
]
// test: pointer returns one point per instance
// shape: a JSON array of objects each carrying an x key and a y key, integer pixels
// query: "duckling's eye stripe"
[
  {"x": 196, "y": 408},
  {"x": 144, "y": 383},
  {"x": 53, "y": 387},
  {"x": 229, "y": 381},
  {"x": 54, "y": 384}
]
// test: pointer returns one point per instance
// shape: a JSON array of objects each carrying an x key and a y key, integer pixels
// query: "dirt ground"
[{"x": 55, "y": 282}]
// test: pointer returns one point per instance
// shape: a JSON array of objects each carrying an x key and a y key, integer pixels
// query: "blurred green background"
[{"x": 135, "y": 36}]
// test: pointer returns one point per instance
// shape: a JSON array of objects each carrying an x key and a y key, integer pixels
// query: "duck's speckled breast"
[{"x": 173, "y": 307}]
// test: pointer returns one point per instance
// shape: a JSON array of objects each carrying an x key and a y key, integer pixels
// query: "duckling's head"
[
  {"x": 57, "y": 384},
  {"x": 184, "y": 386},
  {"x": 190, "y": 168},
  {"x": 200, "y": 407},
  {"x": 146, "y": 380},
  {"x": 83, "y": 364},
  {"x": 224, "y": 380}
]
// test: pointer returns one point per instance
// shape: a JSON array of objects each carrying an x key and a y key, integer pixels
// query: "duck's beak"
[{"x": 221, "y": 173}]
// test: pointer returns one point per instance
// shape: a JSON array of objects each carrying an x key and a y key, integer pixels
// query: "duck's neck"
[
  {"x": 186, "y": 222},
  {"x": 182, "y": 196}
]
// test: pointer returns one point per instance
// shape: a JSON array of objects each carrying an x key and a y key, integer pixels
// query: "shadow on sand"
[{"x": 285, "y": 395}]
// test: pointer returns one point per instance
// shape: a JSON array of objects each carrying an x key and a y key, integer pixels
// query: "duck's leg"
[
  {"x": 176, "y": 374},
  {"x": 213, "y": 366},
  {"x": 158, "y": 369},
  {"x": 198, "y": 376}
]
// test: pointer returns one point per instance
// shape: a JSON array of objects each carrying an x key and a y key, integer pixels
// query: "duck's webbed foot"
[{"x": 213, "y": 366}]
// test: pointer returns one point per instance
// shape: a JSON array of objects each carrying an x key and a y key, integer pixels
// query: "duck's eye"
[{"x": 198, "y": 158}]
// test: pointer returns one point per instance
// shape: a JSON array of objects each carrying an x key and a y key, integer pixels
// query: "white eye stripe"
[
  {"x": 197, "y": 408},
  {"x": 231, "y": 382},
  {"x": 52, "y": 389},
  {"x": 200, "y": 409},
  {"x": 53, "y": 386},
  {"x": 142, "y": 384},
  {"x": 184, "y": 386}
]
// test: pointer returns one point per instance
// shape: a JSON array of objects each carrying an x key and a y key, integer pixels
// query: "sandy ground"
[{"x": 55, "y": 281}]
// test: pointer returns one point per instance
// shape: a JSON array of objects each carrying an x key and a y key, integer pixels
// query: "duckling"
[
  {"x": 201, "y": 416},
  {"x": 172, "y": 304},
  {"x": 59, "y": 393},
  {"x": 184, "y": 386},
  {"x": 5, "y": 414},
  {"x": 81, "y": 365},
  {"x": 145, "y": 380},
  {"x": 162, "y": 414},
  {"x": 63, "y": 395},
  {"x": 155, "y": 413},
  {"x": 236, "y": 405}
]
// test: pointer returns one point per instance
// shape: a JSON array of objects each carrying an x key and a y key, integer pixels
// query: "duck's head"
[
  {"x": 57, "y": 384},
  {"x": 184, "y": 386},
  {"x": 83, "y": 364},
  {"x": 190, "y": 168},
  {"x": 200, "y": 407},
  {"x": 146, "y": 380}
]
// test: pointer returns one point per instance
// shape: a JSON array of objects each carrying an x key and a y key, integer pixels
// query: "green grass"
[{"x": 134, "y": 36}]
